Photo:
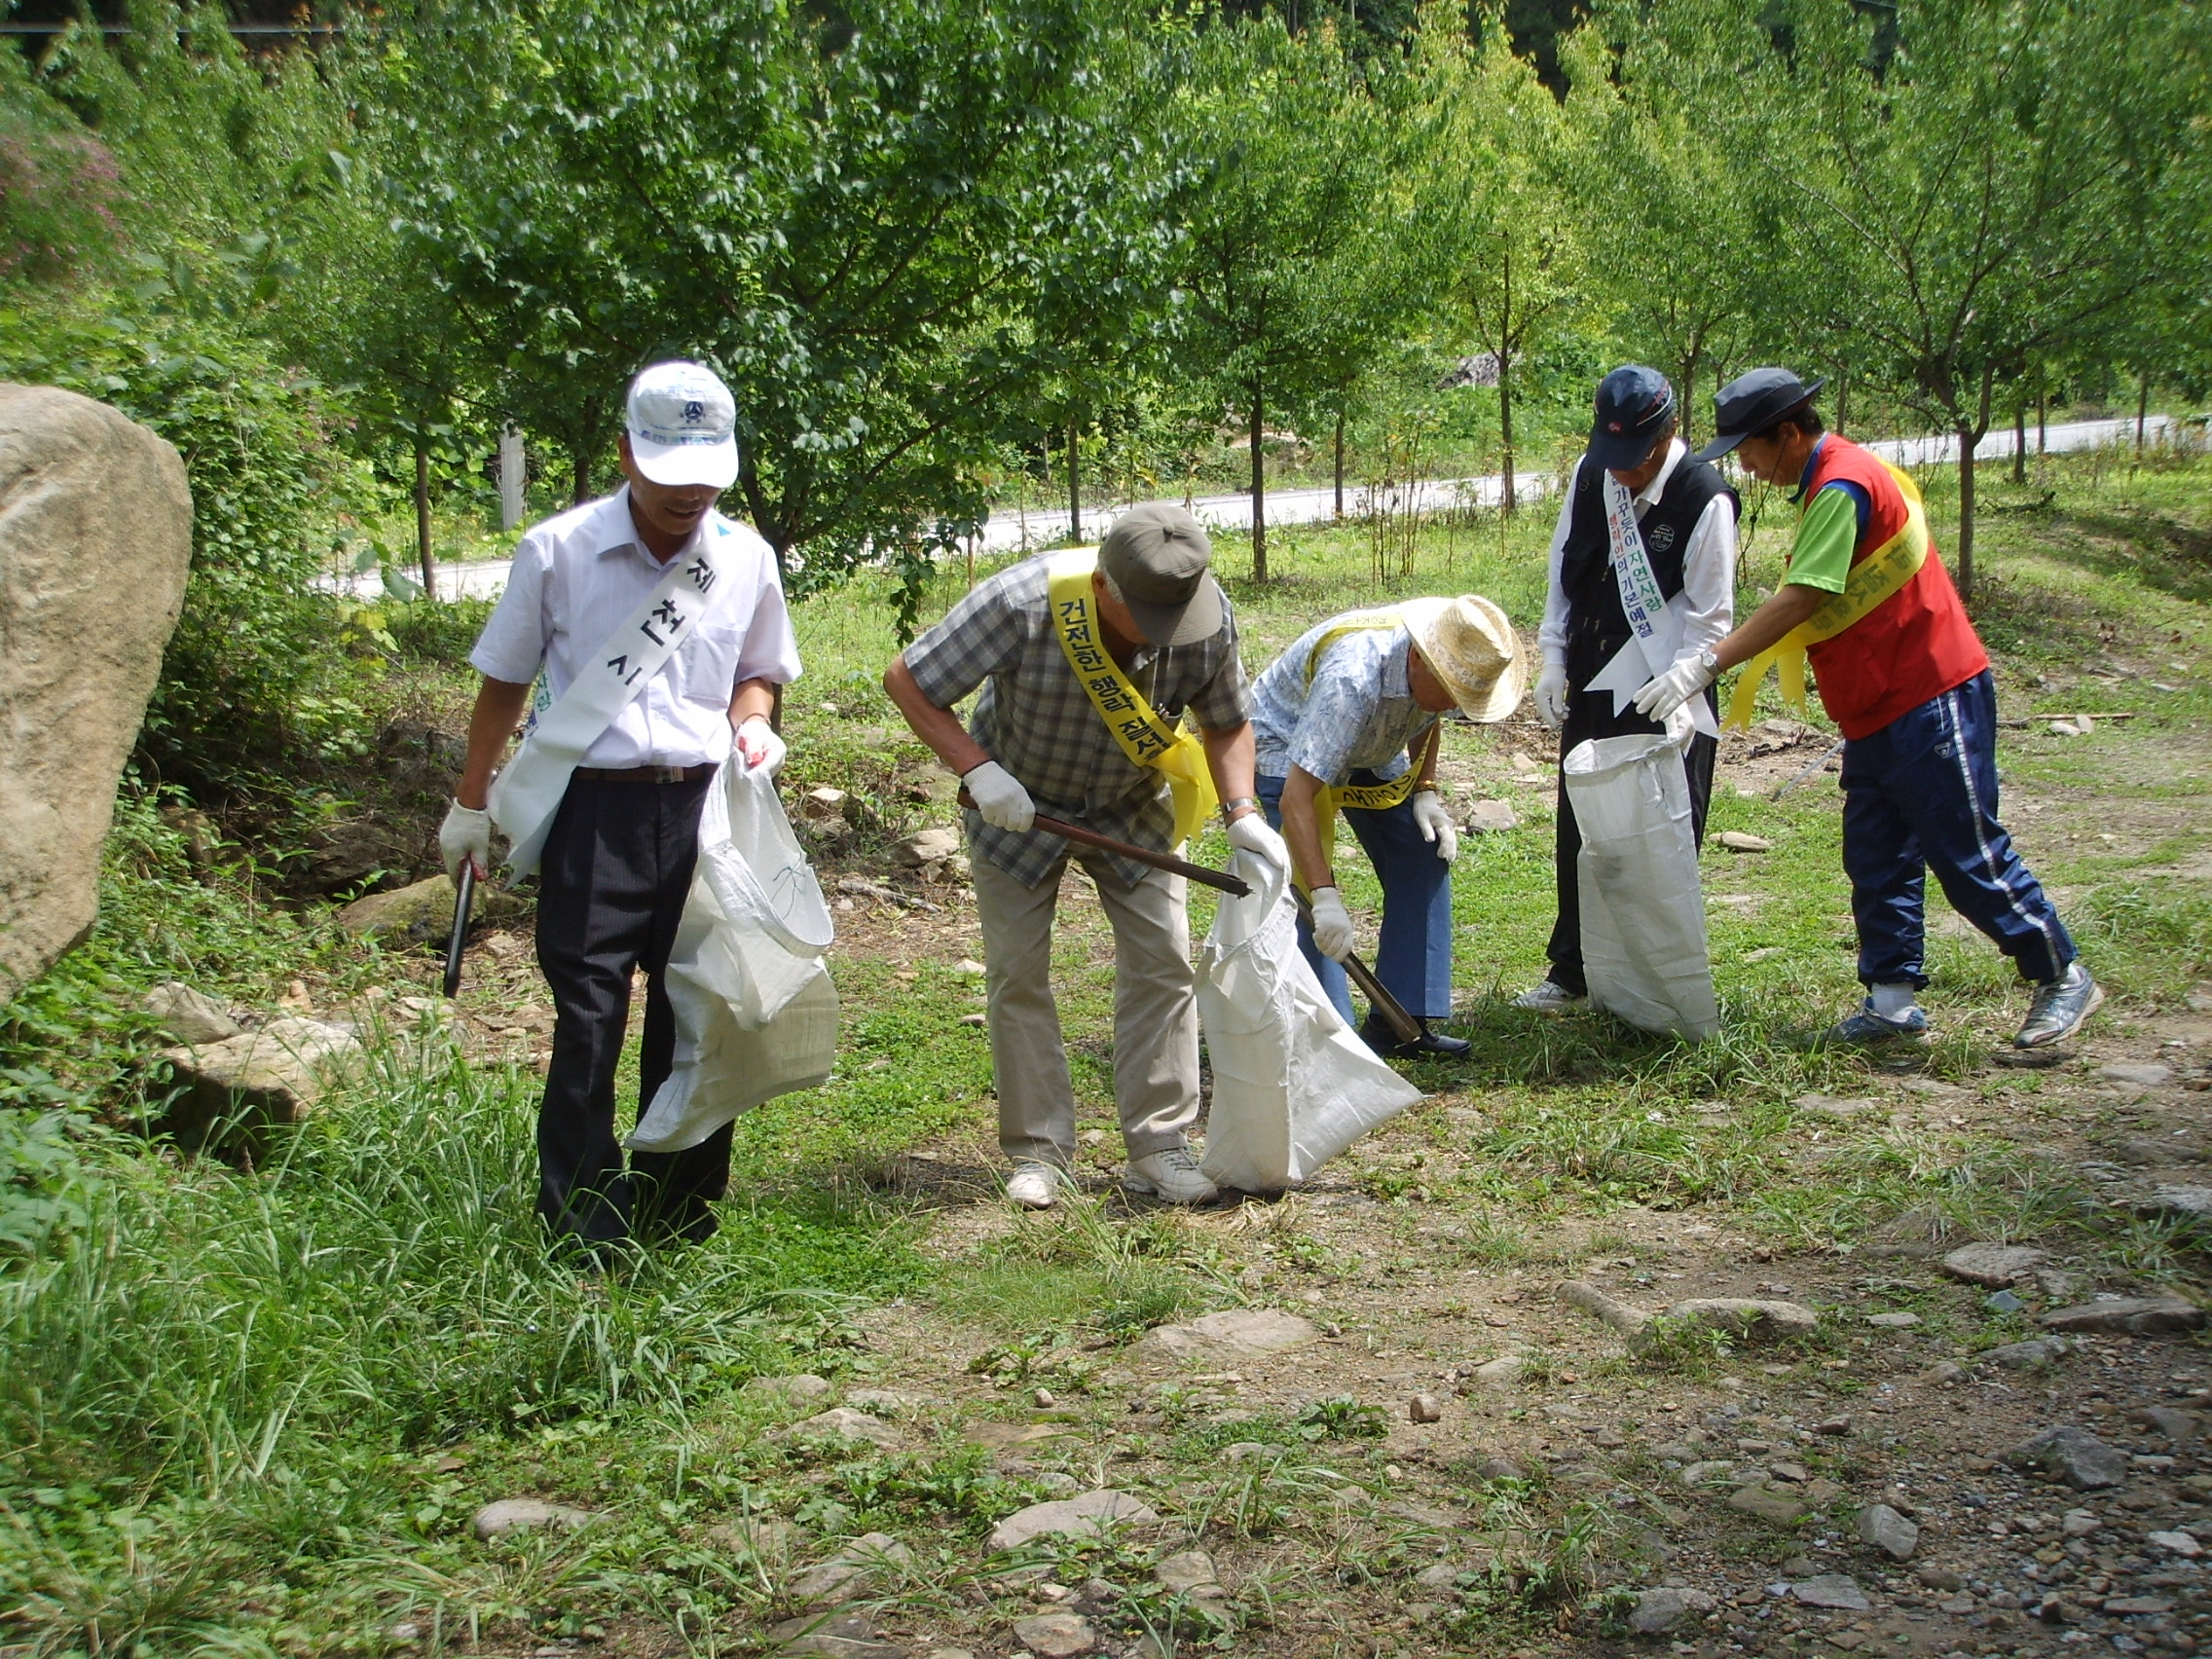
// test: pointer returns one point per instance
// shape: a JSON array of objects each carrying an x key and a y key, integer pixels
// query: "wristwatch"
[
  {"x": 1710, "y": 660},
  {"x": 1229, "y": 808}
]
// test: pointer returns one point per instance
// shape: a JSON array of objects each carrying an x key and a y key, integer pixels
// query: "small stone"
[
  {"x": 2002, "y": 1301},
  {"x": 1994, "y": 1265},
  {"x": 1500, "y": 1372},
  {"x": 1056, "y": 1636},
  {"x": 1738, "y": 841},
  {"x": 1887, "y": 1530},
  {"x": 2137, "y": 1074},
  {"x": 2074, "y": 1456},
  {"x": 824, "y": 802},
  {"x": 890, "y": 1402},
  {"x": 968, "y": 966},
  {"x": 1899, "y": 1321},
  {"x": 2178, "y": 1543},
  {"x": 2191, "y": 1202},
  {"x": 801, "y": 1388},
  {"x": 1754, "y": 1318},
  {"x": 1424, "y": 1408},
  {"x": 853, "y": 1572},
  {"x": 1778, "y": 1508},
  {"x": 1943, "y": 1579},
  {"x": 1496, "y": 1469},
  {"x": 1833, "y": 1426},
  {"x": 975, "y": 1020},
  {"x": 2172, "y": 1422},
  {"x": 189, "y": 1017},
  {"x": 1090, "y": 1514},
  {"x": 761, "y": 1538},
  {"x": 928, "y": 847},
  {"x": 1709, "y": 1469},
  {"x": 1191, "y": 1572},
  {"x": 1238, "y": 1332},
  {"x": 1491, "y": 817},
  {"x": 1658, "y": 1612},
  {"x": 2132, "y": 1316},
  {"x": 832, "y": 1636},
  {"x": 520, "y": 1514},
  {"x": 1250, "y": 1451},
  {"x": 2134, "y": 1606},
  {"x": 1831, "y": 1590},
  {"x": 842, "y": 1423},
  {"x": 2029, "y": 1356},
  {"x": 1837, "y": 1106}
]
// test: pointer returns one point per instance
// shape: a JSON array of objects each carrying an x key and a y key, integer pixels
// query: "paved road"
[{"x": 1007, "y": 533}]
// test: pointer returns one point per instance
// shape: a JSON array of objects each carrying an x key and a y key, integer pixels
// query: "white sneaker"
[
  {"x": 1550, "y": 997},
  {"x": 1034, "y": 1186},
  {"x": 1171, "y": 1174}
]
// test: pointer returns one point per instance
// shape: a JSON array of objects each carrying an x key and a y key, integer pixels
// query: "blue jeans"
[
  {"x": 1920, "y": 794},
  {"x": 1414, "y": 960}
]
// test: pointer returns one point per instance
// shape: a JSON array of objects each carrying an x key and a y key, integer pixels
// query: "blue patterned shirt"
[{"x": 1358, "y": 715}]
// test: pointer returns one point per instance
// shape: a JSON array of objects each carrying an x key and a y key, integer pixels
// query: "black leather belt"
[{"x": 647, "y": 774}]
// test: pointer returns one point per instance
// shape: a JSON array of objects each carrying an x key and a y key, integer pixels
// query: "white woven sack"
[
  {"x": 1293, "y": 1084},
  {"x": 1643, "y": 947},
  {"x": 756, "y": 1010}
]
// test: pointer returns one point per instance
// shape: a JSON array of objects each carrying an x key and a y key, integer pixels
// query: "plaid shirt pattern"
[
  {"x": 1035, "y": 718},
  {"x": 1359, "y": 713}
]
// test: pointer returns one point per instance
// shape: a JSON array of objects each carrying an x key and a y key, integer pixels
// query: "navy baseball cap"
[
  {"x": 1634, "y": 403},
  {"x": 1750, "y": 403}
]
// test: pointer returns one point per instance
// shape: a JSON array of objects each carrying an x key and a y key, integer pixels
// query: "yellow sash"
[
  {"x": 1873, "y": 579},
  {"x": 1368, "y": 797},
  {"x": 1178, "y": 754}
]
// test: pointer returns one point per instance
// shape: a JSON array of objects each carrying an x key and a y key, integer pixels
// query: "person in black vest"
[{"x": 1683, "y": 561}]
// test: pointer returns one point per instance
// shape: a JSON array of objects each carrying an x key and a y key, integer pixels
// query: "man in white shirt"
[
  {"x": 617, "y": 862},
  {"x": 1650, "y": 527}
]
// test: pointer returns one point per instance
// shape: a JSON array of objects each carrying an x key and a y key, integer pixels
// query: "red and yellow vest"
[{"x": 1915, "y": 645}]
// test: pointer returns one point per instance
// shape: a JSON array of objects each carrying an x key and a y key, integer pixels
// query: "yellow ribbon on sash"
[
  {"x": 1872, "y": 581},
  {"x": 1367, "y": 797},
  {"x": 1177, "y": 754}
]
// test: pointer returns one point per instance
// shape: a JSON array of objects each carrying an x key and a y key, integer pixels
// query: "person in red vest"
[{"x": 1903, "y": 673}]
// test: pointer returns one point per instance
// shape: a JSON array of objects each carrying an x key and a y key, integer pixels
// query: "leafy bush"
[
  {"x": 59, "y": 188},
  {"x": 439, "y": 631}
]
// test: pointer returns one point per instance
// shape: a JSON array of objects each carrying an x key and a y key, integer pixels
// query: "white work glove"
[
  {"x": 999, "y": 798},
  {"x": 1332, "y": 925},
  {"x": 1669, "y": 691},
  {"x": 466, "y": 833},
  {"x": 1682, "y": 726},
  {"x": 759, "y": 746},
  {"x": 1435, "y": 824},
  {"x": 1551, "y": 695},
  {"x": 1251, "y": 834}
]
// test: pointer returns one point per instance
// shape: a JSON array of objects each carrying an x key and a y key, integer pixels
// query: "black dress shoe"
[{"x": 1429, "y": 1046}]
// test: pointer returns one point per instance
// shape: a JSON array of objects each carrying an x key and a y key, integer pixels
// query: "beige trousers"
[{"x": 1156, "y": 1015}]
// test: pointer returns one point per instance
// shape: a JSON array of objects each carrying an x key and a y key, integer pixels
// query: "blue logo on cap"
[{"x": 694, "y": 411}]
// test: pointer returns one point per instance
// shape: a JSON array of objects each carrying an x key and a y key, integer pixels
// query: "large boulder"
[
  {"x": 235, "y": 1089},
  {"x": 96, "y": 538}
]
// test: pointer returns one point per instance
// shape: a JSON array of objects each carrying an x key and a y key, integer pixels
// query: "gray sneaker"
[
  {"x": 2060, "y": 1009},
  {"x": 1550, "y": 997}
]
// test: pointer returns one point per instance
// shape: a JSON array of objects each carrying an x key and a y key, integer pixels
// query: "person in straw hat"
[{"x": 1346, "y": 720}]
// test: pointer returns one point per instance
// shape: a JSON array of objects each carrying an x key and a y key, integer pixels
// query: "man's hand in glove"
[
  {"x": 759, "y": 746},
  {"x": 1551, "y": 695},
  {"x": 466, "y": 833},
  {"x": 1332, "y": 925},
  {"x": 1435, "y": 824},
  {"x": 999, "y": 798},
  {"x": 1663, "y": 695},
  {"x": 1681, "y": 728},
  {"x": 1251, "y": 834}
]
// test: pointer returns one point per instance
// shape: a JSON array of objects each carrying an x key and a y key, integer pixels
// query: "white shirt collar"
[
  {"x": 1651, "y": 491},
  {"x": 614, "y": 530}
]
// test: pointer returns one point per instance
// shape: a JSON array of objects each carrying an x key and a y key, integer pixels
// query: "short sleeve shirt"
[
  {"x": 1357, "y": 714},
  {"x": 1828, "y": 532},
  {"x": 579, "y": 576},
  {"x": 1035, "y": 718}
]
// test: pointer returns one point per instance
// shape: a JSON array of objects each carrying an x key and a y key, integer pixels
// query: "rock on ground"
[
  {"x": 1491, "y": 817},
  {"x": 1764, "y": 1503},
  {"x": 2074, "y": 1456},
  {"x": 1831, "y": 1590},
  {"x": 2128, "y": 1316},
  {"x": 245, "y": 1085},
  {"x": 1994, "y": 1265},
  {"x": 1090, "y": 1513},
  {"x": 1658, "y": 1612},
  {"x": 853, "y": 1572},
  {"x": 1056, "y": 1636},
  {"x": 1751, "y": 1317},
  {"x": 842, "y": 1423},
  {"x": 1189, "y": 1574},
  {"x": 1885, "y": 1530},
  {"x": 187, "y": 1016},
  {"x": 520, "y": 1514},
  {"x": 1241, "y": 1331},
  {"x": 96, "y": 538},
  {"x": 421, "y": 912},
  {"x": 2144, "y": 1074},
  {"x": 1501, "y": 1373},
  {"x": 928, "y": 847},
  {"x": 799, "y": 1388},
  {"x": 832, "y": 1636},
  {"x": 2029, "y": 1356}
]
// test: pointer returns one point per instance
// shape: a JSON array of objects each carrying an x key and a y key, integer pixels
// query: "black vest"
[{"x": 1596, "y": 624}]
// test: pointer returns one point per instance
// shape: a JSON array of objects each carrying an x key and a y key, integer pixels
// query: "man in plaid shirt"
[{"x": 1036, "y": 743}]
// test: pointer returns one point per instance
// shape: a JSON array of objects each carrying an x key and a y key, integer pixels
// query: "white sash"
[
  {"x": 1655, "y": 624},
  {"x": 528, "y": 789}
]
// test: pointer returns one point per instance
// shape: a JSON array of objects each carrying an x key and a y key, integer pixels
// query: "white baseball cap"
[{"x": 682, "y": 424}]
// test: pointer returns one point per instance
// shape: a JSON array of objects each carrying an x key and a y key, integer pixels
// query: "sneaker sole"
[
  {"x": 1145, "y": 1188},
  {"x": 2095, "y": 1002}
]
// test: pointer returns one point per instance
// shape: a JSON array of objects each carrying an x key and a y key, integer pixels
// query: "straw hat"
[{"x": 1473, "y": 649}]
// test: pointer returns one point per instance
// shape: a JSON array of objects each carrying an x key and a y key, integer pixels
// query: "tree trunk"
[
  {"x": 580, "y": 459},
  {"x": 2021, "y": 441},
  {"x": 2042, "y": 420},
  {"x": 1507, "y": 500},
  {"x": 1842, "y": 399},
  {"x": 1075, "y": 481},
  {"x": 1967, "y": 441},
  {"x": 1339, "y": 466},
  {"x": 1690, "y": 394},
  {"x": 2142, "y": 412},
  {"x": 422, "y": 552},
  {"x": 1259, "y": 490}
]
